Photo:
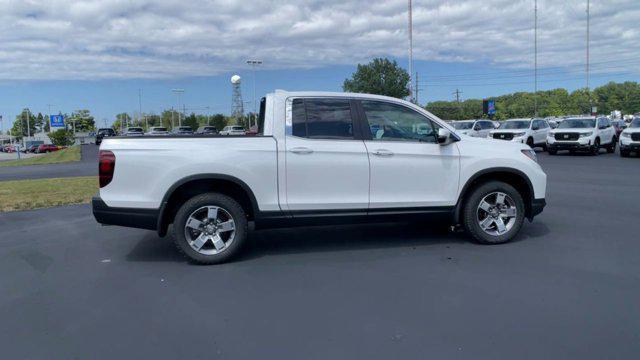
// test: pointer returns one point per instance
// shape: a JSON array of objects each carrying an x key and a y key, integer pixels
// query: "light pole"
[
  {"x": 535, "y": 86},
  {"x": 253, "y": 64},
  {"x": 49, "y": 119},
  {"x": 178, "y": 92},
  {"x": 410, "y": 30}
]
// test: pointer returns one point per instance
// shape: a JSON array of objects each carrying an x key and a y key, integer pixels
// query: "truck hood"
[
  {"x": 494, "y": 144},
  {"x": 508, "y": 131}
]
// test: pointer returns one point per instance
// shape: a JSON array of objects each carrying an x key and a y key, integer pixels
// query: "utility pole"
[
  {"x": 535, "y": 86},
  {"x": 587, "y": 69},
  {"x": 253, "y": 64},
  {"x": 28, "y": 125},
  {"x": 416, "y": 89},
  {"x": 457, "y": 94},
  {"x": 410, "y": 30},
  {"x": 178, "y": 92},
  {"x": 140, "y": 108},
  {"x": 49, "y": 115}
]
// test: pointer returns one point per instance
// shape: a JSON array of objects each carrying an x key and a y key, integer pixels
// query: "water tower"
[{"x": 237, "y": 107}]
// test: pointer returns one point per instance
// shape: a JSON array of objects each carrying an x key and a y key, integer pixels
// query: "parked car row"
[
  {"x": 36, "y": 149},
  {"x": 575, "y": 134},
  {"x": 135, "y": 131}
]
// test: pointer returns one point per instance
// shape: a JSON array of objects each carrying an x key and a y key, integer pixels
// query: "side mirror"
[
  {"x": 534, "y": 128},
  {"x": 445, "y": 137},
  {"x": 477, "y": 127}
]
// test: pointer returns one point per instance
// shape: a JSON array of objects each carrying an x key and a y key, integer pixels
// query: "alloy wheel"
[
  {"x": 496, "y": 213},
  {"x": 210, "y": 230}
]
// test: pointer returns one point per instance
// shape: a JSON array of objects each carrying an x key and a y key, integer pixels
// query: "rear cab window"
[{"x": 322, "y": 118}]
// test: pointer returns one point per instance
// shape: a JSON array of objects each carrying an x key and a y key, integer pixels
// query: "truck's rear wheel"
[
  {"x": 210, "y": 228},
  {"x": 493, "y": 213}
]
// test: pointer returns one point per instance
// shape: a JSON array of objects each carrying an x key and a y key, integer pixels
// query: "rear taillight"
[{"x": 106, "y": 166}]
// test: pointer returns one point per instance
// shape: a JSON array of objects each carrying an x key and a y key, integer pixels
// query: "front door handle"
[
  {"x": 382, "y": 152},
  {"x": 301, "y": 150}
]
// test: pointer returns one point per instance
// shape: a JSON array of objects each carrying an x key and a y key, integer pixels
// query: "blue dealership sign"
[
  {"x": 491, "y": 107},
  {"x": 56, "y": 121}
]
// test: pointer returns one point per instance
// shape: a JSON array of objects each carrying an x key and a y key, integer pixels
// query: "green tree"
[
  {"x": 62, "y": 137},
  {"x": 219, "y": 121},
  {"x": 380, "y": 76},
  {"x": 82, "y": 120},
  {"x": 123, "y": 120},
  {"x": 19, "y": 127},
  {"x": 191, "y": 121}
]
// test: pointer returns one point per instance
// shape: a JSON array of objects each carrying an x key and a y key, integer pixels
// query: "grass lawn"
[
  {"x": 44, "y": 193},
  {"x": 67, "y": 155}
]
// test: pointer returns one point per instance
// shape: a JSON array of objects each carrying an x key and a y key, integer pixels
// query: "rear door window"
[{"x": 322, "y": 118}]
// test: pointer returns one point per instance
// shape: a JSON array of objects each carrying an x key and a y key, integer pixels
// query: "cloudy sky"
[{"x": 97, "y": 54}]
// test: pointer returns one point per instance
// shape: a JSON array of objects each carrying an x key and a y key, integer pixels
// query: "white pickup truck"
[{"x": 320, "y": 158}]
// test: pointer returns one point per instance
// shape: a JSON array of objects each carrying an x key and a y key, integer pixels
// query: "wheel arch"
[
  {"x": 193, "y": 185},
  {"x": 511, "y": 176}
]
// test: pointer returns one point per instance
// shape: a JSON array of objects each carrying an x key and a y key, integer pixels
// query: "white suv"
[
  {"x": 532, "y": 132},
  {"x": 630, "y": 138},
  {"x": 474, "y": 128},
  {"x": 582, "y": 134},
  {"x": 233, "y": 130}
]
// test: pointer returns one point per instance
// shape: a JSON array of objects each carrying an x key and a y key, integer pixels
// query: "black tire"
[
  {"x": 211, "y": 199},
  {"x": 612, "y": 147},
  {"x": 530, "y": 143},
  {"x": 470, "y": 209},
  {"x": 595, "y": 149},
  {"x": 552, "y": 151},
  {"x": 544, "y": 147},
  {"x": 625, "y": 153}
]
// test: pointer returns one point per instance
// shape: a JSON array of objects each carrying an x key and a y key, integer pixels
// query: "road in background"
[
  {"x": 87, "y": 166},
  {"x": 568, "y": 288}
]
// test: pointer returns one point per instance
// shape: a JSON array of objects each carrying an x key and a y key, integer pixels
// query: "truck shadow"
[{"x": 318, "y": 239}]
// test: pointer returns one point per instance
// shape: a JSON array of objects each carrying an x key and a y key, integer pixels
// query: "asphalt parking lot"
[{"x": 567, "y": 288}]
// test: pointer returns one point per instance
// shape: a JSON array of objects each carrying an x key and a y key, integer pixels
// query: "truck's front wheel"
[
  {"x": 210, "y": 228},
  {"x": 494, "y": 213}
]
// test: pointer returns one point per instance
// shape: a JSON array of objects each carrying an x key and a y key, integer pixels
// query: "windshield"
[
  {"x": 105, "y": 131},
  {"x": 520, "y": 124},
  {"x": 238, "y": 128},
  {"x": 184, "y": 128},
  {"x": 577, "y": 124},
  {"x": 159, "y": 129},
  {"x": 635, "y": 123},
  {"x": 463, "y": 125},
  {"x": 209, "y": 128},
  {"x": 134, "y": 129}
]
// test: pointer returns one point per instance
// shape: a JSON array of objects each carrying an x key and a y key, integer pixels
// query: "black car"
[
  {"x": 102, "y": 133},
  {"x": 207, "y": 130}
]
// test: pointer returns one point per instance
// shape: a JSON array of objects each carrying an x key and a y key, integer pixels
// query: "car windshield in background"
[
  {"x": 577, "y": 124},
  {"x": 105, "y": 132},
  {"x": 135, "y": 130},
  {"x": 524, "y": 124},
  {"x": 463, "y": 125},
  {"x": 238, "y": 128},
  {"x": 635, "y": 123},
  {"x": 160, "y": 129}
]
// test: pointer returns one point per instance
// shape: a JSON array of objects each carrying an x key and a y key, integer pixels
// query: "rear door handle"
[
  {"x": 382, "y": 152},
  {"x": 301, "y": 150}
]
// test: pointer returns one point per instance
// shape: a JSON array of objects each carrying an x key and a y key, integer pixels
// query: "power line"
[
  {"x": 523, "y": 82},
  {"x": 527, "y": 72}
]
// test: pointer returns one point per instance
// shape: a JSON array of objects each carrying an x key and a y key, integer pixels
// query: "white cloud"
[{"x": 62, "y": 39}]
